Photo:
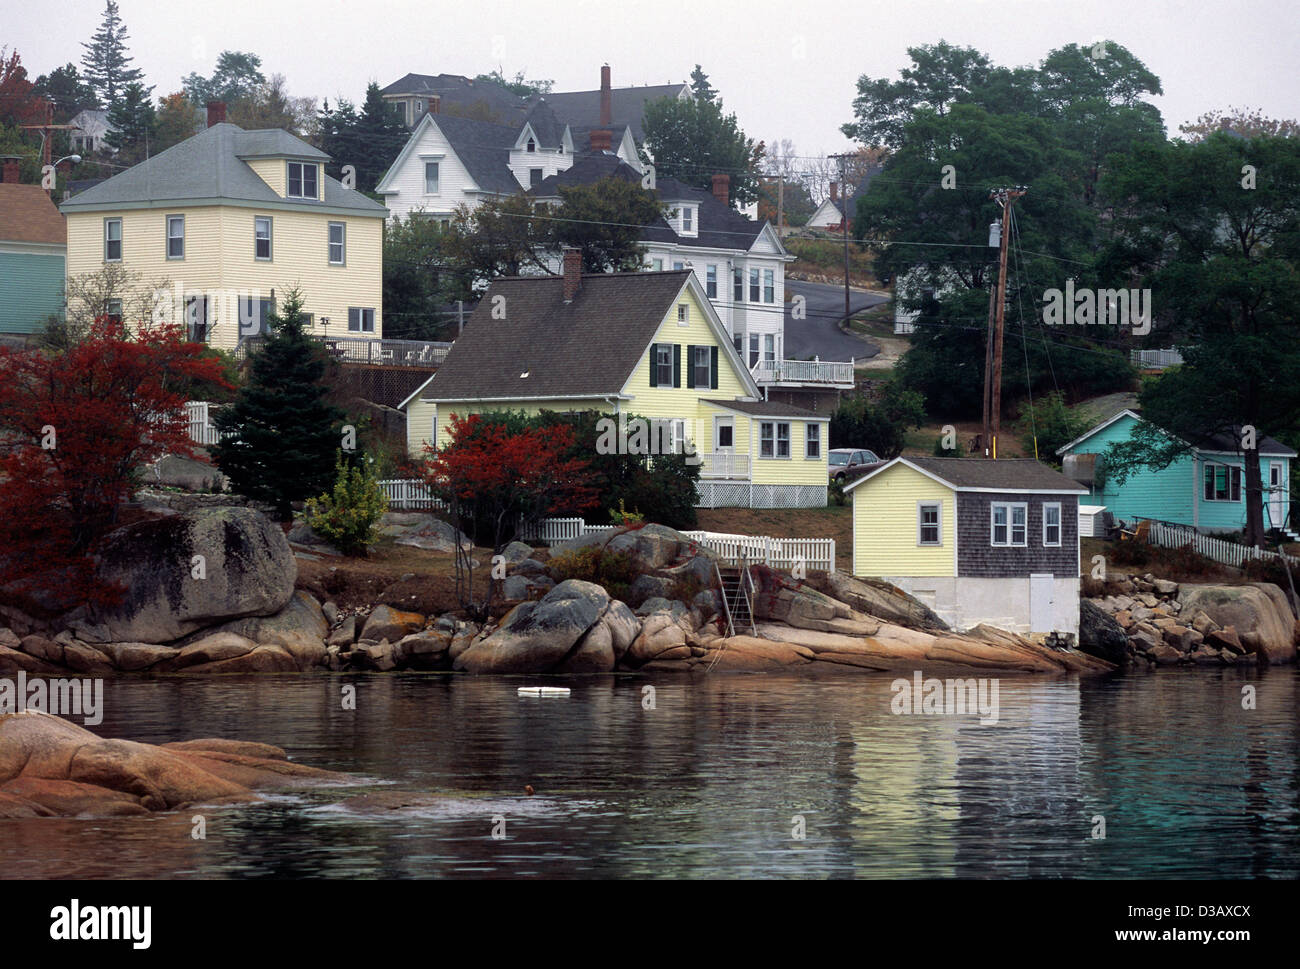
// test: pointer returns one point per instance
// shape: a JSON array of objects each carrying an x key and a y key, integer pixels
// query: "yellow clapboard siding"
[
  {"x": 219, "y": 260},
  {"x": 273, "y": 171},
  {"x": 885, "y": 525},
  {"x": 796, "y": 469}
]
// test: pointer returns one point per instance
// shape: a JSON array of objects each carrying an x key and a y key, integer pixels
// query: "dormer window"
[
  {"x": 688, "y": 219},
  {"x": 302, "y": 181},
  {"x": 532, "y": 145}
]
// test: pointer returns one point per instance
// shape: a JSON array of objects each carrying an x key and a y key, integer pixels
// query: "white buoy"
[{"x": 543, "y": 691}]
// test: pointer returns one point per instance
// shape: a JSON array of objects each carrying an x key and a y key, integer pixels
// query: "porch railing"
[
  {"x": 826, "y": 373},
  {"x": 359, "y": 350},
  {"x": 1156, "y": 359},
  {"x": 723, "y": 464}
]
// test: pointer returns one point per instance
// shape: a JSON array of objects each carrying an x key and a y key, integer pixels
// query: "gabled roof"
[
  {"x": 588, "y": 347},
  {"x": 482, "y": 147},
  {"x": 28, "y": 215},
  {"x": 457, "y": 92},
  {"x": 591, "y": 167},
  {"x": 720, "y": 226},
  {"x": 1013, "y": 475},
  {"x": 627, "y": 105},
  {"x": 1217, "y": 443},
  {"x": 548, "y": 130},
  {"x": 210, "y": 167},
  {"x": 863, "y": 184}
]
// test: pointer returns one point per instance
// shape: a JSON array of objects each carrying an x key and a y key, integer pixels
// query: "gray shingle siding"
[{"x": 976, "y": 556}]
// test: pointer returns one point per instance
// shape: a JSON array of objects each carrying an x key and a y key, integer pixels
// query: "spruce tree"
[
  {"x": 106, "y": 60},
  {"x": 283, "y": 432}
]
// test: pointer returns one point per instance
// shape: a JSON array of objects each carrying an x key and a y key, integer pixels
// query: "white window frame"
[
  {"x": 663, "y": 360},
  {"x": 769, "y": 285},
  {"x": 769, "y": 347},
  {"x": 755, "y": 352},
  {"x": 437, "y": 177},
  {"x": 1010, "y": 526},
  {"x": 921, "y": 524},
  {"x": 705, "y": 354},
  {"x": 170, "y": 220},
  {"x": 738, "y": 285},
  {"x": 688, "y": 220},
  {"x": 363, "y": 313},
  {"x": 711, "y": 280},
  {"x": 657, "y": 265},
  {"x": 755, "y": 285},
  {"x": 302, "y": 180},
  {"x": 121, "y": 245},
  {"x": 342, "y": 260},
  {"x": 270, "y": 238},
  {"x": 812, "y": 442},
  {"x": 683, "y": 314},
  {"x": 1059, "y": 526}
]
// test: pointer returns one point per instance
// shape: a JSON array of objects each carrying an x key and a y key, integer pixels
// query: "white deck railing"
[
  {"x": 1156, "y": 359},
  {"x": 724, "y": 464},
  {"x": 202, "y": 430},
  {"x": 409, "y": 493},
  {"x": 819, "y": 372}
]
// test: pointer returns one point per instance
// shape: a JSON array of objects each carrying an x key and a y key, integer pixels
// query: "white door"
[
  {"x": 724, "y": 443},
  {"x": 1042, "y": 588},
  {"x": 1276, "y": 506}
]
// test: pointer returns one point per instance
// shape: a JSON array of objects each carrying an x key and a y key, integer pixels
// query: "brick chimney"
[
  {"x": 572, "y": 273},
  {"x": 216, "y": 112},
  {"x": 722, "y": 188},
  {"x": 835, "y": 191},
  {"x": 602, "y": 140},
  {"x": 606, "y": 98},
  {"x": 10, "y": 169}
]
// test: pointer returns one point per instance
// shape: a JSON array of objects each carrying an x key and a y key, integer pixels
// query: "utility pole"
[
  {"x": 780, "y": 204},
  {"x": 844, "y": 224},
  {"x": 1005, "y": 197}
]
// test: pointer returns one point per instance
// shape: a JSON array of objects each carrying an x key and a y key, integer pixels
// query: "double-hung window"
[
  {"x": 774, "y": 439},
  {"x": 688, "y": 220},
  {"x": 1009, "y": 525},
  {"x": 812, "y": 441},
  {"x": 262, "y": 237},
  {"x": 769, "y": 286},
  {"x": 338, "y": 243},
  {"x": 175, "y": 237},
  {"x": 534, "y": 177},
  {"x": 1052, "y": 524},
  {"x": 754, "y": 293},
  {"x": 663, "y": 364},
  {"x": 112, "y": 240},
  {"x": 302, "y": 180},
  {"x": 929, "y": 523},
  {"x": 738, "y": 285},
  {"x": 361, "y": 319},
  {"x": 702, "y": 367},
  {"x": 431, "y": 178},
  {"x": 711, "y": 281},
  {"x": 1222, "y": 483},
  {"x": 753, "y": 351},
  {"x": 683, "y": 314}
]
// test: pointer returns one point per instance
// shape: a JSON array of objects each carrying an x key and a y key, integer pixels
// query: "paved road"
[{"x": 819, "y": 334}]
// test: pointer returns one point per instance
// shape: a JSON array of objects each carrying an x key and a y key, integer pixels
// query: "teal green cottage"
[
  {"x": 33, "y": 255},
  {"x": 1205, "y": 489}
]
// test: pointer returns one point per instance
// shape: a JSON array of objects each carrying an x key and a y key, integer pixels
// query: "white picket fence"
[
  {"x": 779, "y": 553},
  {"x": 1229, "y": 553},
  {"x": 409, "y": 493},
  {"x": 202, "y": 431}
]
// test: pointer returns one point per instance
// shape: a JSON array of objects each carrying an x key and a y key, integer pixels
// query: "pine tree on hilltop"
[
  {"x": 284, "y": 434},
  {"x": 106, "y": 60}
]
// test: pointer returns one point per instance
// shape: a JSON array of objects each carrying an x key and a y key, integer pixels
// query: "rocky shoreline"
[{"x": 212, "y": 590}]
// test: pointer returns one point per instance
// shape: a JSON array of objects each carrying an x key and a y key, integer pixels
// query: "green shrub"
[
  {"x": 593, "y": 563},
  {"x": 348, "y": 517},
  {"x": 624, "y": 518}
]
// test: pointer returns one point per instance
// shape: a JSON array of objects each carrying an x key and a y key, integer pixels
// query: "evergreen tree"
[
  {"x": 131, "y": 123},
  {"x": 700, "y": 86},
  {"x": 284, "y": 434},
  {"x": 379, "y": 137},
  {"x": 106, "y": 60},
  {"x": 67, "y": 90},
  {"x": 692, "y": 140}
]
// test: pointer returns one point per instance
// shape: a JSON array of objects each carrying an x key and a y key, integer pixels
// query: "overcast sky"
[{"x": 788, "y": 70}]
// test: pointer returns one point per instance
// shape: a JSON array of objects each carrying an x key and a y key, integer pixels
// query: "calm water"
[{"x": 709, "y": 782}]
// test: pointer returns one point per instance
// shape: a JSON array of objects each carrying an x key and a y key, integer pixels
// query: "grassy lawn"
[{"x": 833, "y": 521}]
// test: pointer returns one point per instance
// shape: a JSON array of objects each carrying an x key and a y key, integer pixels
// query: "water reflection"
[{"x": 711, "y": 781}]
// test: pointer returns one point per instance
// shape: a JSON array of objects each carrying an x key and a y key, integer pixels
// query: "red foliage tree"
[
  {"x": 75, "y": 430},
  {"x": 18, "y": 103},
  {"x": 498, "y": 481}
]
